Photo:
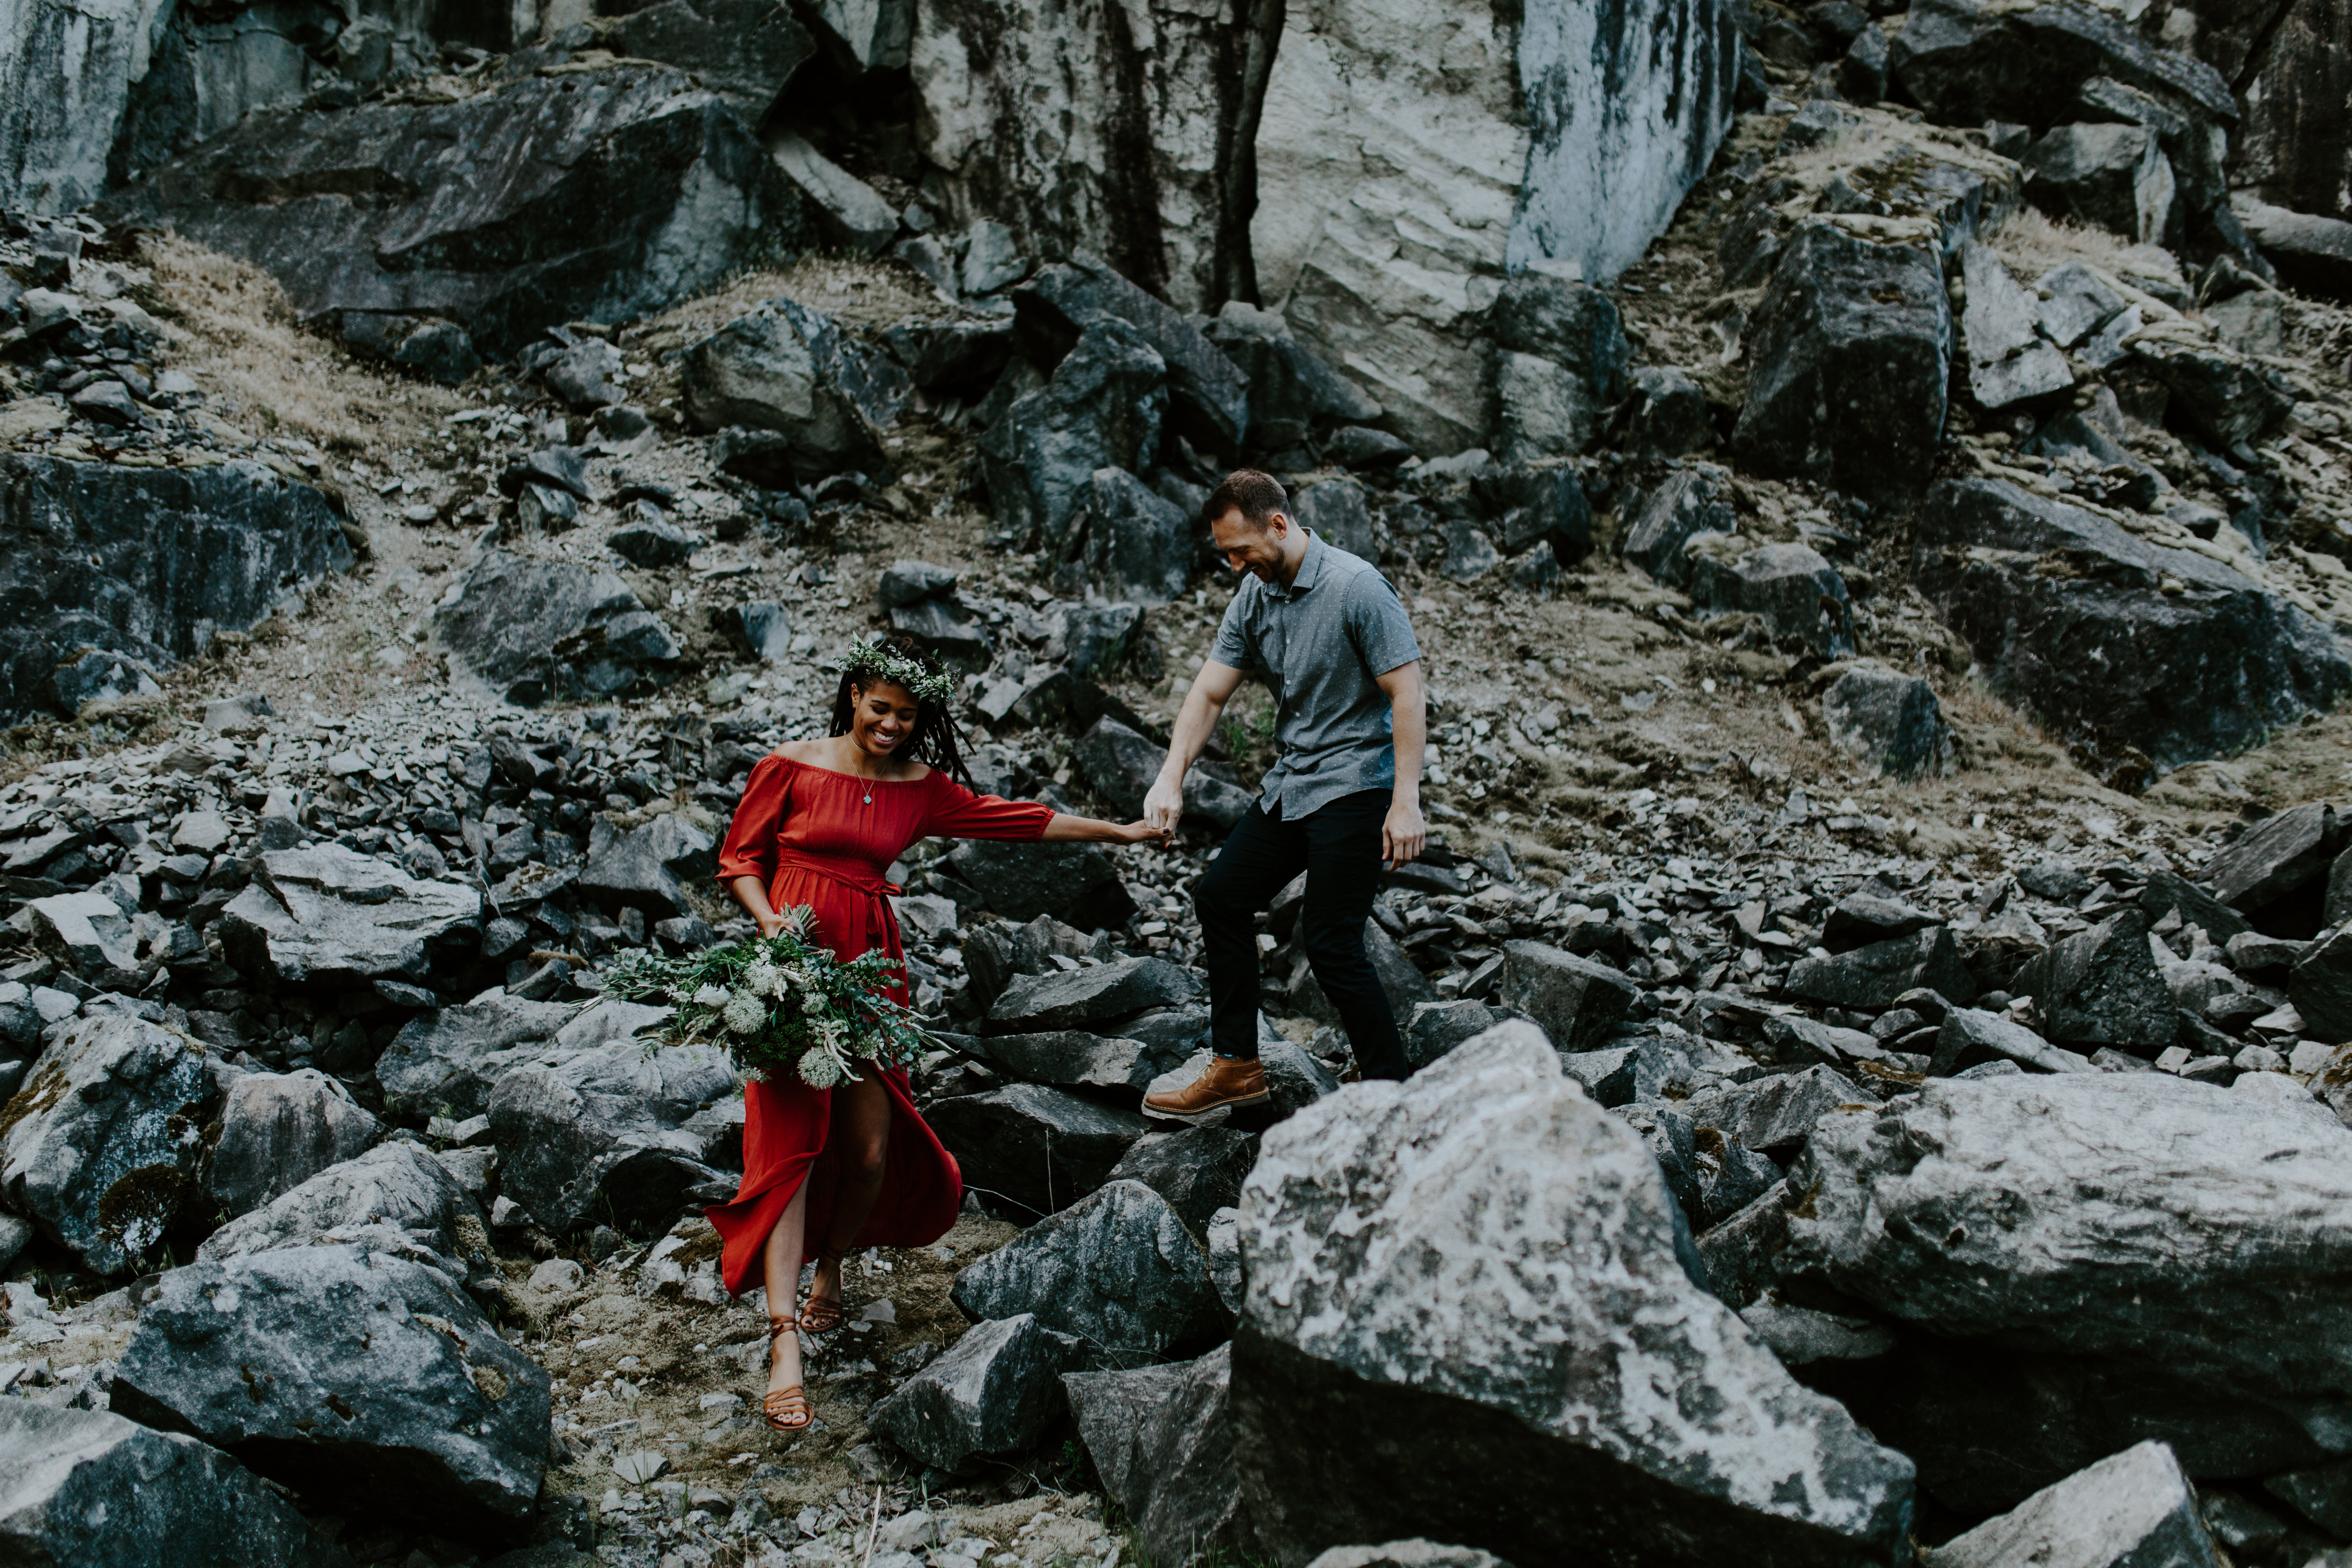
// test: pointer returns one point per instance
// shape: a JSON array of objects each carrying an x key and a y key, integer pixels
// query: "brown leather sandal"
[
  {"x": 822, "y": 1314},
  {"x": 786, "y": 1409}
]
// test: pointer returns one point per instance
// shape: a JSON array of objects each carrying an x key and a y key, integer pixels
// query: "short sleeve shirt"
[{"x": 1321, "y": 645}]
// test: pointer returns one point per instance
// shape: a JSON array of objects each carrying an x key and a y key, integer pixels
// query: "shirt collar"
[{"x": 1307, "y": 567}]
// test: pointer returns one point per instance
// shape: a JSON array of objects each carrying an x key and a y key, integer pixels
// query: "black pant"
[{"x": 1338, "y": 847}]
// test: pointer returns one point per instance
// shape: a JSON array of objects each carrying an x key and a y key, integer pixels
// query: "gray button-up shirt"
[{"x": 1319, "y": 644}]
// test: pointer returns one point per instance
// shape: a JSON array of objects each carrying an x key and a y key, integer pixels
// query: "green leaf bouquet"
[{"x": 780, "y": 1006}]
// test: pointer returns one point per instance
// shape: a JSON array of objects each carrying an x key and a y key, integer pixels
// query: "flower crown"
[{"x": 874, "y": 660}]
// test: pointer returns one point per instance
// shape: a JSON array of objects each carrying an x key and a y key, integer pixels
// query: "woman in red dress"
[{"x": 819, "y": 823}]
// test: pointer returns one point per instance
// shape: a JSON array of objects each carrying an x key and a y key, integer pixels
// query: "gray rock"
[
  {"x": 1118, "y": 1070},
  {"x": 1103, "y": 408},
  {"x": 947, "y": 627},
  {"x": 2114, "y": 177},
  {"x": 992, "y": 1391},
  {"x": 1967, "y": 62},
  {"x": 848, "y": 212},
  {"x": 2275, "y": 855},
  {"x": 1875, "y": 975},
  {"x": 911, "y": 581},
  {"x": 1619, "y": 1074},
  {"x": 1225, "y": 1258},
  {"x": 2322, "y": 1495},
  {"x": 2075, "y": 302},
  {"x": 740, "y": 49},
  {"x": 2320, "y": 986},
  {"x": 1118, "y": 1270},
  {"x": 2008, "y": 360},
  {"x": 2312, "y": 253},
  {"x": 140, "y": 567},
  {"x": 1433, "y": 1028},
  {"x": 439, "y": 350},
  {"x": 1850, "y": 350},
  {"x": 1665, "y": 414},
  {"x": 276, "y": 1131},
  {"x": 1862, "y": 918},
  {"x": 2052, "y": 1236},
  {"x": 396, "y": 1186},
  {"x": 1535, "y": 506},
  {"x": 1893, "y": 722},
  {"x": 1038, "y": 1149},
  {"x": 1073, "y": 882},
  {"x": 641, "y": 868},
  {"x": 1577, "y": 1000},
  {"x": 1742, "y": 1252},
  {"x": 766, "y": 628},
  {"x": 1291, "y": 392},
  {"x": 102, "y": 1139},
  {"x": 959, "y": 358},
  {"x": 2131, "y": 1508},
  {"x": 2101, "y": 987},
  {"x": 1161, "y": 1439},
  {"x": 1197, "y": 1171},
  {"x": 537, "y": 630},
  {"x": 654, "y": 542},
  {"x": 88, "y": 931},
  {"x": 609, "y": 1133},
  {"x": 1336, "y": 509},
  {"x": 452, "y": 1057},
  {"x": 1804, "y": 1040},
  {"x": 433, "y": 1415},
  {"x": 600, "y": 203},
  {"x": 1414, "y": 1553},
  {"x": 2210, "y": 669},
  {"x": 1776, "y": 1113},
  {"x": 1080, "y": 998},
  {"x": 1791, "y": 588},
  {"x": 91, "y": 1489},
  {"x": 582, "y": 375},
  {"x": 1121, "y": 766},
  {"x": 332, "y": 916},
  {"x": 1969, "y": 1038},
  {"x": 786, "y": 368},
  {"x": 1484, "y": 1160},
  {"x": 1689, "y": 502},
  {"x": 1208, "y": 395},
  {"x": 1560, "y": 365}
]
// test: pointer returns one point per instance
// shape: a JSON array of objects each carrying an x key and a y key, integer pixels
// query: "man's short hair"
[{"x": 1256, "y": 496}]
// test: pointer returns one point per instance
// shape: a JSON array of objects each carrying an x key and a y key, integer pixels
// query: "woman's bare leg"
[
  {"x": 780, "y": 1263},
  {"x": 859, "y": 1141}
]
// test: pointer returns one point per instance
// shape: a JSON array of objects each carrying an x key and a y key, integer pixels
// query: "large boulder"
[
  {"x": 642, "y": 868},
  {"x": 1133, "y": 544},
  {"x": 1409, "y": 158},
  {"x": 1796, "y": 595},
  {"x": 1559, "y": 363},
  {"x": 2101, "y": 987},
  {"x": 146, "y": 564},
  {"x": 1968, "y": 61},
  {"x": 1578, "y": 1000},
  {"x": 743, "y": 50},
  {"x": 1875, "y": 975},
  {"x": 540, "y": 629},
  {"x": 786, "y": 368},
  {"x": 2009, "y": 360},
  {"x": 2117, "y": 643},
  {"x": 364, "y": 1381},
  {"x": 276, "y": 1131},
  {"x": 611, "y": 1133},
  {"x": 993, "y": 1391},
  {"x": 2129, "y": 1509},
  {"x": 1161, "y": 1439},
  {"x": 1086, "y": 135},
  {"x": 2114, "y": 177},
  {"x": 1888, "y": 721},
  {"x": 1618, "y": 1400},
  {"x": 1118, "y": 1270},
  {"x": 1038, "y": 1149},
  {"x": 1116, "y": 1070},
  {"x": 84, "y": 1488},
  {"x": 1121, "y": 766},
  {"x": 1660, "y": 526},
  {"x": 1291, "y": 392},
  {"x": 598, "y": 195},
  {"x": 1850, "y": 353},
  {"x": 1103, "y": 408},
  {"x": 332, "y": 916},
  {"x": 397, "y": 1188},
  {"x": 1077, "y": 883},
  {"x": 98, "y": 1147},
  {"x": 1080, "y": 998},
  {"x": 1198, "y": 1170},
  {"x": 445, "y": 1061},
  {"x": 2086, "y": 1259},
  {"x": 1208, "y": 395}
]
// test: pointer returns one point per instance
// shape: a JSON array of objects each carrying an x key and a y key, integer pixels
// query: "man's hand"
[
  {"x": 1164, "y": 804},
  {"x": 1403, "y": 834}
]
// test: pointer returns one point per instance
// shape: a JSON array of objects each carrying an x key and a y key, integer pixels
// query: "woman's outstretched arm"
[{"x": 1064, "y": 829}]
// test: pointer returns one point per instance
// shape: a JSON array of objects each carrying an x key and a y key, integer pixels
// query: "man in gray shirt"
[{"x": 1327, "y": 633}]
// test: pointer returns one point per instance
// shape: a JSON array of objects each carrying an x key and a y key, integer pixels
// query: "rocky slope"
[{"x": 1879, "y": 981}]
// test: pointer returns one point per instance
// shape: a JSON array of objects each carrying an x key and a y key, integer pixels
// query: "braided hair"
[{"x": 933, "y": 739}]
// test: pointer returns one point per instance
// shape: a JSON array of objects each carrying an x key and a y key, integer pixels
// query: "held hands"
[
  {"x": 1164, "y": 804},
  {"x": 1403, "y": 834}
]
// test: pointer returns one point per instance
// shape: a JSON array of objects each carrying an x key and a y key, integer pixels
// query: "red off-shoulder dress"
[{"x": 825, "y": 839}]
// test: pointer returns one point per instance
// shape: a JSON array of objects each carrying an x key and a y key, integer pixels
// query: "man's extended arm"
[
  {"x": 1212, "y": 690},
  {"x": 1403, "y": 834}
]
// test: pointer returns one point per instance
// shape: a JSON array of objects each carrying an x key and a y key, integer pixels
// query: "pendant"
[{"x": 869, "y": 800}]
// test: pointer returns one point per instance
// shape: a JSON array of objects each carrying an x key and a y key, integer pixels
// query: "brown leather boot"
[{"x": 1226, "y": 1082}]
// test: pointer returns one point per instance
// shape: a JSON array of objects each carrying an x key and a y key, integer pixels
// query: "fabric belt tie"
[{"x": 859, "y": 877}]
